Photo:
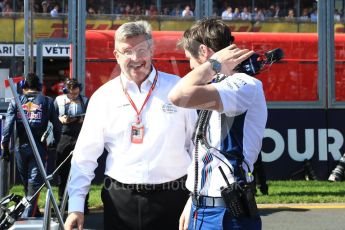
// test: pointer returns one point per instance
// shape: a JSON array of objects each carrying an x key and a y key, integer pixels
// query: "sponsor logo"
[
  {"x": 169, "y": 108},
  {"x": 123, "y": 105},
  {"x": 32, "y": 111}
]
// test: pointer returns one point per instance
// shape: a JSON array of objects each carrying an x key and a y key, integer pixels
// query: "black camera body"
[
  {"x": 255, "y": 63},
  {"x": 250, "y": 66},
  {"x": 240, "y": 200}
]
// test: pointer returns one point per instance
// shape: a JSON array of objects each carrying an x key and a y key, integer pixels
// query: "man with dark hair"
[
  {"x": 229, "y": 132},
  {"x": 39, "y": 110},
  {"x": 71, "y": 108}
]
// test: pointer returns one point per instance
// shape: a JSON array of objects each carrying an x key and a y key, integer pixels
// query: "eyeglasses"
[{"x": 139, "y": 53}]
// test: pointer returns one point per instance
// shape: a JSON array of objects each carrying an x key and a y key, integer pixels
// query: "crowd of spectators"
[
  {"x": 124, "y": 7},
  {"x": 49, "y": 7},
  {"x": 273, "y": 12}
]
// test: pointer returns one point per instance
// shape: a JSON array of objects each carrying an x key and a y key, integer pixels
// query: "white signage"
[
  {"x": 51, "y": 50},
  {"x": 56, "y": 51},
  {"x": 328, "y": 141},
  {"x": 6, "y": 50}
]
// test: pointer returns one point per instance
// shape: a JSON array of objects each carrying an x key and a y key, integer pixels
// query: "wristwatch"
[{"x": 216, "y": 66}]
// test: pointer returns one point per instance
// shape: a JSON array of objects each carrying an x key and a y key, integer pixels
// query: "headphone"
[
  {"x": 72, "y": 83},
  {"x": 23, "y": 84}
]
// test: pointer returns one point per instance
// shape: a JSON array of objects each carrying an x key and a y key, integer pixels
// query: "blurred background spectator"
[
  {"x": 258, "y": 15},
  {"x": 91, "y": 11},
  {"x": 305, "y": 15},
  {"x": 187, "y": 12},
  {"x": 176, "y": 11},
  {"x": 55, "y": 11},
  {"x": 237, "y": 13},
  {"x": 313, "y": 16},
  {"x": 7, "y": 9},
  {"x": 291, "y": 15},
  {"x": 44, "y": 7},
  {"x": 336, "y": 15},
  {"x": 227, "y": 14}
]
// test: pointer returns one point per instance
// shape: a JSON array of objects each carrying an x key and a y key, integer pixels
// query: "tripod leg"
[
  {"x": 65, "y": 196},
  {"x": 47, "y": 213}
]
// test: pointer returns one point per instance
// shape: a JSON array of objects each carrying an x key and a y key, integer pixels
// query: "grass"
[
  {"x": 284, "y": 192},
  {"x": 94, "y": 198},
  {"x": 281, "y": 192}
]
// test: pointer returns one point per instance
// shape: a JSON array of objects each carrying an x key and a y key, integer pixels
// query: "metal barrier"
[{"x": 4, "y": 167}]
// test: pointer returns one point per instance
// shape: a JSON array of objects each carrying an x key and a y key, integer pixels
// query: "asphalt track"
[
  {"x": 275, "y": 217},
  {"x": 303, "y": 217}
]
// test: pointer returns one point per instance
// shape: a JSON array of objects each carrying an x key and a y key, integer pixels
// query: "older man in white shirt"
[{"x": 148, "y": 140}]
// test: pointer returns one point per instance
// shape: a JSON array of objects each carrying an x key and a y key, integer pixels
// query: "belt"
[
  {"x": 207, "y": 201},
  {"x": 147, "y": 188}
]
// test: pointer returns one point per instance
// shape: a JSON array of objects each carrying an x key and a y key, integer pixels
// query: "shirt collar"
[
  {"x": 151, "y": 76},
  {"x": 127, "y": 82}
]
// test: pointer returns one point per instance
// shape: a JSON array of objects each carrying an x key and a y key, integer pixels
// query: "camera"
[
  {"x": 255, "y": 63},
  {"x": 250, "y": 66},
  {"x": 338, "y": 172}
]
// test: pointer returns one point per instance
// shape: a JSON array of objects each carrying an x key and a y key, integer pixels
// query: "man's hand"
[
  {"x": 185, "y": 216},
  {"x": 75, "y": 219},
  {"x": 230, "y": 57},
  {"x": 81, "y": 120},
  {"x": 64, "y": 119},
  {"x": 5, "y": 154}
]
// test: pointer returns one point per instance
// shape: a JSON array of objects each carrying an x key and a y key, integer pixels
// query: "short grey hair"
[{"x": 133, "y": 29}]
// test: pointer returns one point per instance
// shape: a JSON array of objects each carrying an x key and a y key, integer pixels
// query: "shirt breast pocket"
[
  {"x": 118, "y": 129},
  {"x": 167, "y": 117}
]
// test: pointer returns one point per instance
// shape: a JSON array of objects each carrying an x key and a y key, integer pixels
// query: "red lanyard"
[{"x": 146, "y": 99}]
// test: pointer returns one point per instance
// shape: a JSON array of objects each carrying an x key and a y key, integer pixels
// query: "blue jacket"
[{"x": 39, "y": 110}]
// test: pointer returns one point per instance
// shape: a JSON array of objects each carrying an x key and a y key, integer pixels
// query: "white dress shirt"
[
  {"x": 164, "y": 154},
  {"x": 239, "y": 94}
]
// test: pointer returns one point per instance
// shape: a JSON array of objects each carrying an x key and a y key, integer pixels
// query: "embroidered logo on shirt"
[
  {"x": 123, "y": 105},
  {"x": 169, "y": 108},
  {"x": 235, "y": 83}
]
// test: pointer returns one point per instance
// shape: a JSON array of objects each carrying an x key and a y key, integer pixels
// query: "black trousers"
[
  {"x": 63, "y": 149},
  {"x": 127, "y": 209}
]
